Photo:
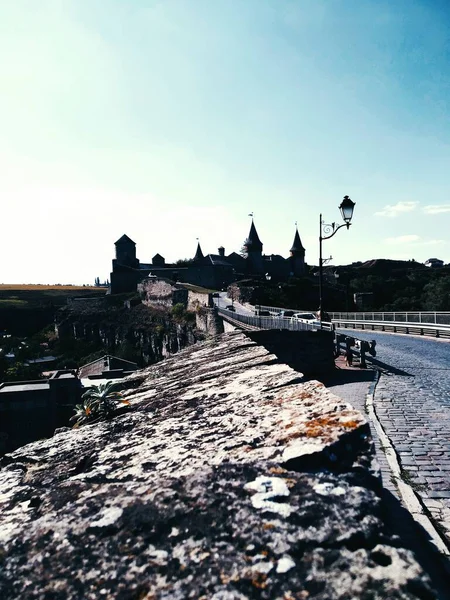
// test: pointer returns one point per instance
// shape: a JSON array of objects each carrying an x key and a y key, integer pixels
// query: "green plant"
[
  {"x": 98, "y": 402},
  {"x": 160, "y": 330},
  {"x": 178, "y": 310}
]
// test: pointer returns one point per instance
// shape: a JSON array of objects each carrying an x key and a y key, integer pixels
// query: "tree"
[
  {"x": 184, "y": 262},
  {"x": 436, "y": 294}
]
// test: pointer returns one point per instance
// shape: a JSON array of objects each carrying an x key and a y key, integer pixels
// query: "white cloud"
[
  {"x": 393, "y": 210},
  {"x": 402, "y": 239},
  {"x": 436, "y": 209},
  {"x": 413, "y": 240},
  {"x": 433, "y": 243}
]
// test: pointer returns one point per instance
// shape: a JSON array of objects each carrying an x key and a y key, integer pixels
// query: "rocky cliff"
[
  {"x": 229, "y": 478},
  {"x": 148, "y": 334}
]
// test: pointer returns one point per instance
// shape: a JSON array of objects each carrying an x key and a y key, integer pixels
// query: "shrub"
[{"x": 98, "y": 403}]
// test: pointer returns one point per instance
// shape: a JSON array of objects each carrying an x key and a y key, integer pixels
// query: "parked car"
[
  {"x": 262, "y": 313},
  {"x": 285, "y": 314},
  {"x": 230, "y": 307},
  {"x": 308, "y": 318}
]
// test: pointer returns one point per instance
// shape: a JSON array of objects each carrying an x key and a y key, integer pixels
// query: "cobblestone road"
[{"x": 412, "y": 402}]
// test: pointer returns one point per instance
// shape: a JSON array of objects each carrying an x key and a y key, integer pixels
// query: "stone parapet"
[
  {"x": 229, "y": 478},
  {"x": 311, "y": 352}
]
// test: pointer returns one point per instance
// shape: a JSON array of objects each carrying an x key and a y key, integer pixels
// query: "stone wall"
[
  {"x": 208, "y": 320},
  {"x": 162, "y": 292},
  {"x": 198, "y": 299},
  {"x": 311, "y": 352},
  {"x": 226, "y": 479}
]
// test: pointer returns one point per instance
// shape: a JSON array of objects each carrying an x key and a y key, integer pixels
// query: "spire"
[
  {"x": 199, "y": 253},
  {"x": 297, "y": 244},
  {"x": 253, "y": 242}
]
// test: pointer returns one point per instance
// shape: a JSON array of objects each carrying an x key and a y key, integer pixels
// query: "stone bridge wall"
[
  {"x": 310, "y": 352},
  {"x": 226, "y": 478}
]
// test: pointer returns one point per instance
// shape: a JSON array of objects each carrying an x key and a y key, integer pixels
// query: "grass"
[
  {"x": 41, "y": 287},
  {"x": 197, "y": 288},
  {"x": 24, "y": 296},
  {"x": 12, "y": 302},
  {"x": 26, "y": 292},
  {"x": 408, "y": 478}
]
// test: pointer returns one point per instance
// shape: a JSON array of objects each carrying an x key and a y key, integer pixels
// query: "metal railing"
[
  {"x": 276, "y": 309},
  {"x": 436, "y": 317},
  {"x": 426, "y": 323},
  {"x": 261, "y": 322},
  {"x": 408, "y": 327}
]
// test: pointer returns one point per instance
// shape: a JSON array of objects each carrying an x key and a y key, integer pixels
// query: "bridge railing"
[
  {"x": 261, "y": 322},
  {"x": 410, "y": 327},
  {"x": 274, "y": 310},
  {"x": 427, "y": 323},
  {"x": 436, "y": 317}
]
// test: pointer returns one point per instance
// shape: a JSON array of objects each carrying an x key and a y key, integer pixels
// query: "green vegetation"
[
  {"x": 399, "y": 286},
  {"x": 12, "y": 302},
  {"x": 197, "y": 288},
  {"x": 26, "y": 309},
  {"x": 391, "y": 285},
  {"x": 181, "y": 315},
  {"x": 99, "y": 403},
  {"x": 184, "y": 262}
]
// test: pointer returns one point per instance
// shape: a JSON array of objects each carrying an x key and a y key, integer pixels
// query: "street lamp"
[{"x": 327, "y": 231}]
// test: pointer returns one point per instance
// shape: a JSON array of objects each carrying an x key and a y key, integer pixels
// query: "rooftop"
[{"x": 24, "y": 386}]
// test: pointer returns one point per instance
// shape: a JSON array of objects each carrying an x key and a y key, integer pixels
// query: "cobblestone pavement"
[{"x": 412, "y": 403}]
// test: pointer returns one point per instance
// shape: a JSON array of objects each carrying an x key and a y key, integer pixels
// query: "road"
[
  {"x": 223, "y": 301},
  {"x": 412, "y": 402}
]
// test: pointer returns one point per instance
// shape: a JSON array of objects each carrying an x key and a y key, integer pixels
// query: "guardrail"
[
  {"x": 276, "y": 309},
  {"x": 426, "y": 323},
  {"x": 421, "y": 316},
  {"x": 261, "y": 322},
  {"x": 414, "y": 328}
]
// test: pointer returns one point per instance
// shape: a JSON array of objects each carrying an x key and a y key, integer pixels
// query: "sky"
[{"x": 172, "y": 120}]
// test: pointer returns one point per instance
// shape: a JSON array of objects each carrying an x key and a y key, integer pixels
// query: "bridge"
[
  {"x": 408, "y": 405},
  {"x": 423, "y": 323}
]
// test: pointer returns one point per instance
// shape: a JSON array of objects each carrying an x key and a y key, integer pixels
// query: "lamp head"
[{"x": 346, "y": 207}]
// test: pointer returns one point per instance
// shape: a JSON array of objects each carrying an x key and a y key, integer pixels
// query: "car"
[
  {"x": 230, "y": 307},
  {"x": 262, "y": 313},
  {"x": 308, "y": 318},
  {"x": 216, "y": 295},
  {"x": 285, "y": 314}
]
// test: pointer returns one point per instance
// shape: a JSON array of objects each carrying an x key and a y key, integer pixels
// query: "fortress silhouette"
[{"x": 214, "y": 271}]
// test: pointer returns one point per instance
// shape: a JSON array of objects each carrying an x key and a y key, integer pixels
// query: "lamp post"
[{"x": 327, "y": 231}]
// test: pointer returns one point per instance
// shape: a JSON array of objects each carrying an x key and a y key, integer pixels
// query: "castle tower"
[
  {"x": 199, "y": 253},
  {"x": 253, "y": 247},
  {"x": 125, "y": 267},
  {"x": 297, "y": 256},
  {"x": 126, "y": 252}
]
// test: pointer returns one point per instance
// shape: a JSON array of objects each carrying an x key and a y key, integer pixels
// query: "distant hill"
[
  {"x": 385, "y": 263},
  {"x": 25, "y": 309}
]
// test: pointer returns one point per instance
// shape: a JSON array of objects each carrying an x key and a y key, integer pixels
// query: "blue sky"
[{"x": 170, "y": 120}]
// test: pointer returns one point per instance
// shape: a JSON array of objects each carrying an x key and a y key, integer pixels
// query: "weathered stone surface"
[{"x": 228, "y": 479}]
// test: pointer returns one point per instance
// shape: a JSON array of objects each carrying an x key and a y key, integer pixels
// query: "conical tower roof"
[
  {"x": 253, "y": 242},
  {"x": 199, "y": 253},
  {"x": 297, "y": 244},
  {"x": 124, "y": 240}
]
